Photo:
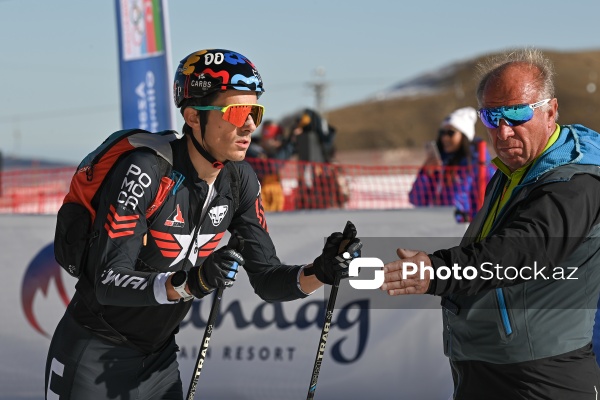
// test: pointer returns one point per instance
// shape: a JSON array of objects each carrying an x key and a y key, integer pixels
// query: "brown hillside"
[{"x": 409, "y": 122}]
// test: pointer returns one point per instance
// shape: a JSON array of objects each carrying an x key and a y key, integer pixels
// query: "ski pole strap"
[{"x": 309, "y": 270}]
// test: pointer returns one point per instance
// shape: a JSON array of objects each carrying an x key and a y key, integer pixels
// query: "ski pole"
[
  {"x": 323, "y": 339},
  {"x": 353, "y": 252},
  {"x": 210, "y": 324},
  {"x": 236, "y": 242}
]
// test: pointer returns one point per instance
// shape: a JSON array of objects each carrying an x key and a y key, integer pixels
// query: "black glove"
[
  {"x": 218, "y": 270},
  {"x": 339, "y": 250}
]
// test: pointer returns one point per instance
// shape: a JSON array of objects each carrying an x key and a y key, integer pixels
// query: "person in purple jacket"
[{"x": 450, "y": 175}]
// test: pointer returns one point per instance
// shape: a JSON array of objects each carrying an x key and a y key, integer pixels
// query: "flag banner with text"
[{"x": 144, "y": 73}]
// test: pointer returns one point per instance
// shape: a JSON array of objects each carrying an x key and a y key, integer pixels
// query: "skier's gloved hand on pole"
[
  {"x": 339, "y": 250},
  {"x": 218, "y": 270}
]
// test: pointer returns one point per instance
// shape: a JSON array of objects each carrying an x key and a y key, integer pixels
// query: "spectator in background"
[
  {"x": 274, "y": 143},
  {"x": 450, "y": 174},
  {"x": 311, "y": 139},
  {"x": 274, "y": 146},
  {"x": 271, "y": 143},
  {"x": 320, "y": 183},
  {"x": 255, "y": 150},
  {"x": 316, "y": 138}
]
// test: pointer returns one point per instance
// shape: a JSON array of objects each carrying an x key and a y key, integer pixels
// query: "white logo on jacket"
[
  {"x": 217, "y": 213},
  {"x": 133, "y": 186}
]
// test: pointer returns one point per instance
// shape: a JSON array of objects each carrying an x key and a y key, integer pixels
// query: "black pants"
[
  {"x": 80, "y": 365},
  {"x": 570, "y": 376}
]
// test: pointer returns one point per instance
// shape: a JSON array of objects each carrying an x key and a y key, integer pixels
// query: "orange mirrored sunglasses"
[{"x": 237, "y": 114}]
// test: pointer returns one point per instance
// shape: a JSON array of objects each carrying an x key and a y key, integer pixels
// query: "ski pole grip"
[
  {"x": 352, "y": 251},
  {"x": 232, "y": 273}
]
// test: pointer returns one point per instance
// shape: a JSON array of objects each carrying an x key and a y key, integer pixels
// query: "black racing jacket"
[{"x": 116, "y": 297}]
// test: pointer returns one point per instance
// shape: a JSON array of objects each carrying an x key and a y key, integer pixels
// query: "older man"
[{"x": 519, "y": 303}]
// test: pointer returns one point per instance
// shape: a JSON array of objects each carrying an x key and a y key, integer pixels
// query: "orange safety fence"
[
  {"x": 34, "y": 191},
  {"x": 286, "y": 186}
]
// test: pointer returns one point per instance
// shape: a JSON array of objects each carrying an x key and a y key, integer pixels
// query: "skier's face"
[{"x": 222, "y": 139}]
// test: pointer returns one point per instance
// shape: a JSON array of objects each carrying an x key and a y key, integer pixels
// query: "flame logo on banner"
[{"x": 42, "y": 270}]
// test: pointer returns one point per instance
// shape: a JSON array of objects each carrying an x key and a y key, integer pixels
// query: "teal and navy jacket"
[{"x": 538, "y": 275}]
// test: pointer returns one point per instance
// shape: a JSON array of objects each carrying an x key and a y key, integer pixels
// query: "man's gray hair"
[{"x": 493, "y": 66}]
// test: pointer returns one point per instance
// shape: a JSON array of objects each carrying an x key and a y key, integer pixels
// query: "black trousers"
[
  {"x": 570, "y": 376},
  {"x": 80, "y": 365}
]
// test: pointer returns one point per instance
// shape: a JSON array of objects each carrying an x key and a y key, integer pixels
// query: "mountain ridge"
[{"x": 405, "y": 117}]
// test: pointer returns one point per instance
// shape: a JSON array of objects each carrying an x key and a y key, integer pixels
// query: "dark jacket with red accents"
[{"x": 117, "y": 294}]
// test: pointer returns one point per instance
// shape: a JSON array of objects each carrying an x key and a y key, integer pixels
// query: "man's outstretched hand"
[{"x": 393, "y": 283}]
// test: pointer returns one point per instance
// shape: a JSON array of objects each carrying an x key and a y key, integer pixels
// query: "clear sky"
[{"x": 59, "y": 68}]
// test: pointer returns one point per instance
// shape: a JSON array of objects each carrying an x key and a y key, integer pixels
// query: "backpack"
[
  {"x": 325, "y": 132},
  {"x": 75, "y": 219}
]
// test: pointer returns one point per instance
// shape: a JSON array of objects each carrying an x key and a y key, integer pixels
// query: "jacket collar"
[
  {"x": 183, "y": 163},
  {"x": 575, "y": 144}
]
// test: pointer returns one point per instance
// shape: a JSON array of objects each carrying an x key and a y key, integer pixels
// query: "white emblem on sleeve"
[{"x": 217, "y": 213}]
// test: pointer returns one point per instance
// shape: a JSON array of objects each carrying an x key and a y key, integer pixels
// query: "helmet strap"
[{"x": 215, "y": 163}]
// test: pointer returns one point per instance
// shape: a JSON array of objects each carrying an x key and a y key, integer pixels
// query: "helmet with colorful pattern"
[{"x": 207, "y": 71}]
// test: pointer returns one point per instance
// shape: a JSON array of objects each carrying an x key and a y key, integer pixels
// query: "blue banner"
[{"x": 145, "y": 75}]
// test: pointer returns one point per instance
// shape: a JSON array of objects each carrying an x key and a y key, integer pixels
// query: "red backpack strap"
[
  {"x": 170, "y": 182},
  {"x": 166, "y": 184}
]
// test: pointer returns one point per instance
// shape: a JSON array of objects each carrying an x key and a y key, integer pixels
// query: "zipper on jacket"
[
  {"x": 201, "y": 220},
  {"x": 448, "y": 342},
  {"x": 503, "y": 311}
]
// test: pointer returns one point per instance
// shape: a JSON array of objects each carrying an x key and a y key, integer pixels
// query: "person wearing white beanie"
[
  {"x": 455, "y": 150},
  {"x": 463, "y": 120},
  {"x": 451, "y": 142}
]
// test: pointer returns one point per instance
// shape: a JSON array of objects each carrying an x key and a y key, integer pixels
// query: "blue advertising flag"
[{"x": 144, "y": 65}]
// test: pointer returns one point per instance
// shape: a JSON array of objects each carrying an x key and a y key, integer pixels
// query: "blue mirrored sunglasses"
[{"x": 513, "y": 115}]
